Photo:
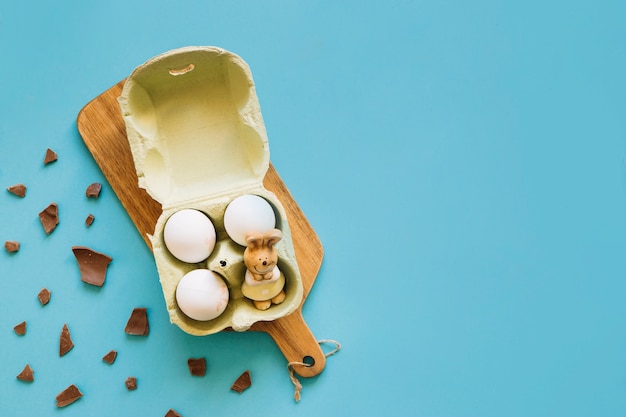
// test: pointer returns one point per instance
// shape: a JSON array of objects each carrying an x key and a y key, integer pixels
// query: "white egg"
[
  {"x": 189, "y": 235},
  {"x": 202, "y": 295},
  {"x": 248, "y": 213}
]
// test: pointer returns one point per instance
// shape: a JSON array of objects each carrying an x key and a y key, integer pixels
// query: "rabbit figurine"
[{"x": 263, "y": 283}]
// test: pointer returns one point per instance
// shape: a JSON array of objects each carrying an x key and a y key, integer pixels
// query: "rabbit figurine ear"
[
  {"x": 254, "y": 240},
  {"x": 272, "y": 237}
]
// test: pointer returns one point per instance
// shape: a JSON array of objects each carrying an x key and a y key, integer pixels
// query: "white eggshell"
[
  {"x": 189, "y": 235},
  {"x": 202, "y": 295},
  {"x": 248, "y": 213}
]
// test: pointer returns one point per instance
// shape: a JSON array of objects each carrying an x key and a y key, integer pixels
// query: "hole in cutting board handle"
[
  {"x": 308, "y": 361},
  {"x": 181, "y": 71}
]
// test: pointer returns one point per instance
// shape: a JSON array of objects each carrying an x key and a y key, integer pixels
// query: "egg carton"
[{"x": 198, "y": 141}]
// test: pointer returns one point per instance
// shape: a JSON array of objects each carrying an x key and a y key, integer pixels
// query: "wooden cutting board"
[{"x": 102, "y": 128}]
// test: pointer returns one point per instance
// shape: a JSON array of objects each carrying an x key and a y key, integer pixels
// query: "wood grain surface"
[{"x": 102, "y": 128}]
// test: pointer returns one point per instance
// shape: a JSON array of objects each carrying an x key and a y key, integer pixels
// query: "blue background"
[{"x": 462, "y": 163}]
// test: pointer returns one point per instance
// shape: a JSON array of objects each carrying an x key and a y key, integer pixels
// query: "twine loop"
[{"x": 292, "y": 373}]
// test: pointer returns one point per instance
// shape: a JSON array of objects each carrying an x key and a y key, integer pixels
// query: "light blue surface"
[{"x": 461, "y": 162}]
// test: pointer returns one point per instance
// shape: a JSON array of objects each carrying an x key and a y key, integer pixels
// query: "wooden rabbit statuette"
[{"x": 263, "y": 283}]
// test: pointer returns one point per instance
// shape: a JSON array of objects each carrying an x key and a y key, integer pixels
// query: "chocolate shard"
[
  {"x": 197, "y": 366},
  {"x": 242, "y": 383},
  {"x": 18, "y": 189},
  {"x": 49, "y": 217},
  {"x": 137, "y": 324},
  {"x": 12, "y": 246},
  {"x": 131, "y": 383},
  {"x": 93, "y": 190},
  {"x": 27, "y": 374},
  {"x": 44, "y": 296},
  {"x": 110, "y": 357},
  {"x": 89, "y": 220},
  {"x": 65, "y": 341},
  {"x": 68, "y": 396},
  {"x": 20, "y": 329},
  {"x": 92, "y": 265},
  {"x": 51, "y": 156},
  {"x": 172, "y": 413}
]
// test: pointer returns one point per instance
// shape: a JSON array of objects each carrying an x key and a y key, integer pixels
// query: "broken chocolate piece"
[
  {"x": 242, "y": 383},
  {"x": 51, "y": 156},
  {"x": 44, "y": 296},
  {"x": 18, "y": 189},
  {"x": 137, "y": 324},
  {"x": 12, "y": 246},
  {"x": 172, "y": 413},
  {"x": 20, "y": 329},
  {"x": 92, "y": 265},
  {"x": 93, "y": 190},
  {"x": 131, "y": 383},
  {"x": 27, "y": 374},
  {"x": 110, "y": 357},
  {"x": 65, "y": 341},
  {"x": 68, "y": 396},
  {"x": 89, "y": 220},
  {"x": 49, "y": 217},
  {"x": 197, "y": 366}
]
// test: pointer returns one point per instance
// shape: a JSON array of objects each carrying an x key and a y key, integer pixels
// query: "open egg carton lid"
[{"x": 194, "y": 125}]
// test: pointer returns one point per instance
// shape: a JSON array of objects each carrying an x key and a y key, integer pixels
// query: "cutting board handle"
[{"x": 298, "y": 344}]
